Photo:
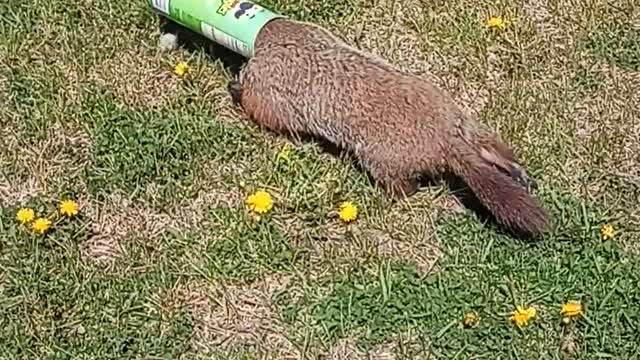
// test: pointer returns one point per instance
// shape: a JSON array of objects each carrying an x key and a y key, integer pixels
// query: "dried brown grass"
[
  {"x": 608, "y": 147},
  {"x": 382, "y": 30},
  {"x": 138, "y": 77},
  {"x": 391, "y": 30},
  {"x": 243, "y": 317},
  {"x": 142, "y": 76},
  {"x": 32, "y": 168},
  {"x": 118, "y": 220},
  {"x": 232, "y": 316},
  {"x": 401, "y": 346},
  {"x": 612, "y": 113},
  {"x": 402, "y": 235}
]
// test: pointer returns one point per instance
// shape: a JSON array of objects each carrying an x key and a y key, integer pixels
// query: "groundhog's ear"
[{"x": 238, "y": 14}]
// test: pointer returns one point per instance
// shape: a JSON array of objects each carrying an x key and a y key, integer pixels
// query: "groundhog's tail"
[{"x": 508, "y": 201}]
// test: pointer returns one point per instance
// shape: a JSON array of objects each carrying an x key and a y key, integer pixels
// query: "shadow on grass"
[{"x": 195, "y": 42}]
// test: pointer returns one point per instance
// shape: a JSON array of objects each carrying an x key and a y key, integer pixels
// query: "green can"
[{"x": 234, "y": 24}]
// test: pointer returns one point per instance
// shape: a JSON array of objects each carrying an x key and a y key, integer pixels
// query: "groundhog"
[{"x": 304, "y": 80}]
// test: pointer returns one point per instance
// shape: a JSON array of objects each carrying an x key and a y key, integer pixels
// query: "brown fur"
[{"x": 303, "y": 79}]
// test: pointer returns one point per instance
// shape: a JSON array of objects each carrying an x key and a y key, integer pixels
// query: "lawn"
[{"x": 165, "y": 261}]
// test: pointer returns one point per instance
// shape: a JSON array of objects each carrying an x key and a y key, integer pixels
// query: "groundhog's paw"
[{"x": 235, "y": 90}]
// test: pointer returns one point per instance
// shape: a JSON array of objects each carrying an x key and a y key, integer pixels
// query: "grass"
[
  {"x": 493, "y": 278},
  {"x": 165, "y": 262}
]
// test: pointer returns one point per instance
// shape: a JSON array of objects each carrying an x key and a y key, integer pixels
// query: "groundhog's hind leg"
[
  {"x": 396, "y": 181},
  {"x": 400, "y": 188}
]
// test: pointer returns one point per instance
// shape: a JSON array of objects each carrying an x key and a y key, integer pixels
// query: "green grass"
[
  {"x": 617, "y": 41},
  {"x": 54, "y": 305},
  {"x": 133, "y": 149},
  {"x": 164, "y": 261},
  {"x": 491, "y": 275}
]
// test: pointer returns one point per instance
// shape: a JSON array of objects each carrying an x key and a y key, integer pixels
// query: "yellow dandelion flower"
[
  {"x": 260, "y": 202},
  {"x": 521, "y": 315},
  {"x": 181, "y": 69},
  {"x": 25, "y": 215},
  {"x": 285, "y": 151},
  {"x": 470, "y": 319},
  {"x": 496, "y": 22},
  {"x": 348, "y": 211},
  {"x": 571, "y": 309},
  {"x": 41, "y": 225},
  {"x": 69, "y": 208},
  {"x": 607, "y": 232}
]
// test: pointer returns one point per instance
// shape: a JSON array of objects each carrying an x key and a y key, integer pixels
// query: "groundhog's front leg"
[
  {"x": 235, "y": 90},
  {"x": 259, "y": 106}
]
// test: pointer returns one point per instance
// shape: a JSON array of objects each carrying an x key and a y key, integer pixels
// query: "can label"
[{"x": 234, "y": 24}]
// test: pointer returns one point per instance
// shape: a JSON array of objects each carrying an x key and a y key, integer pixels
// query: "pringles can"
[{"x": 234, "y": 24}]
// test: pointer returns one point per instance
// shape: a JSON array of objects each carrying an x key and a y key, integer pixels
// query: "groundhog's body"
[{"x": 303, "y": 79}]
